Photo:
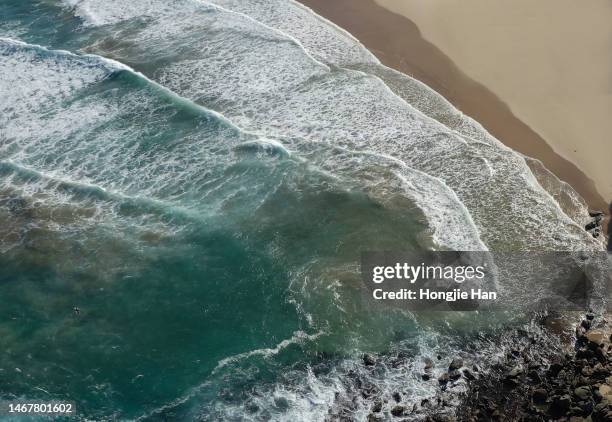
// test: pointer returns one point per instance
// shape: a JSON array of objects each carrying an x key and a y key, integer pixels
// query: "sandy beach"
[{"x": 543, "y": 91}]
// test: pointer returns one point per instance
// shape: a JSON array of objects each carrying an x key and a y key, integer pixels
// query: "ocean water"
[{"x": 199, "y": 179}]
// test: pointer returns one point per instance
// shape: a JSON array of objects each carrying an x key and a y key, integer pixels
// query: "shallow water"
[{"x": 199, "y": 180}]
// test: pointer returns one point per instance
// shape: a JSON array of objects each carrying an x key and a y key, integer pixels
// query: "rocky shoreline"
[
  {"x": 537, "y": 379},
  {"x": 575, "y": 385}
]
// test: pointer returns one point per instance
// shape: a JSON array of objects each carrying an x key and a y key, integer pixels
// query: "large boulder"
[{"x": 455, "y": 364}]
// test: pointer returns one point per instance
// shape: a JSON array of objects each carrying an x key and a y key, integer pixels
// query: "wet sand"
[{"x": 399, "y": 44}]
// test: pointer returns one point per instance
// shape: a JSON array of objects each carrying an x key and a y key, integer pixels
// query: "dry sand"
[
  {"x": 536, "y": 74},
  {"x": 549, "y": 60}
]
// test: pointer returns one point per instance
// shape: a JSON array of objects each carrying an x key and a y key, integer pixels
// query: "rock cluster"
[
  {"x": 572, "y": 387},
  {"x": 541, "y": 377},
  {"x": 439, "y": 408}
]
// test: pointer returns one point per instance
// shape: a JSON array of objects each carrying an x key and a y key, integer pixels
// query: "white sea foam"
[
  {"x": 50, "y": 82},
  {"x": 298, "y": 337},
  {"x": 72, "y": 157},
  {"x": 103, "y": 159},
  {"x": 265, "y": 69},
  {"x": 278, "y": 91},
  {"x": 347, "y": 389},
  {"x": 417, "y": 94},
  {"x": 319, "y": 36},
  {"x": 98, "y": 13},
  {"x": 264, "y": 145}
]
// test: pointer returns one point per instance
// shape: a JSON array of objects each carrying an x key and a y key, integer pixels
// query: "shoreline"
[
  {"x": 555, "y": 372},
  {"x": 558, "y": 369},
  {"x": 555, "y": 77},
  {"x": 399, "y": 44},
  {"x": 570, "y": 380}
]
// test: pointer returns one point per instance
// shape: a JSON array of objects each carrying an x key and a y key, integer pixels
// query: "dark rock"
[
  {"x": 601, "y": 355},
  {"x": 605, "y": 417},
  {"x": 534, "y": 410},
  {"x": 575, "y": 387},
  {"x": 454, "y": 374},
  {"x": 426, "y": 377},
  {"x": 560, "y": 405},
  {"x": 443, "y": 379},
  {"x": 601, "y": 409},
  {"x": 554, "y": 369},
  {"x": 398, "y": 411},
  {"x": 369, "y": 360},
  {"x": 511, "y": 382},
  {"x": 580, "y": 333},
  {"x": 491, "y": 406},
  {"x": 586, "y": 406},
  {"x": 586, "y": 371},
  {"x": 514, "y": 372},
  {"x": 539, "y": 395},
  {"x": 600, "y": 372},
  {"x": 583, "y": 393},
  {"x": 535, "y": 377},
  {"x": 468, "y": 374},
  {"x": 576, "y": 411},
  {"x": 377, "y": 407},
  {"x": 375, "y": 418},
  {"x": 397, "y": 397},
  {"x": 443, "y": 418},
  {"x": 428, "y": 364},
  {"x": 590, "y": 316},
  {"x": 455, "y": 364}
]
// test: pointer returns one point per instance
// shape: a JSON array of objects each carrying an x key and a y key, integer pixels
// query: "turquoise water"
[{"x": 200, "y": 183}]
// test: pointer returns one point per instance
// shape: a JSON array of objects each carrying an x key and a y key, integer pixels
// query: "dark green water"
[{"x": 172, "y": 271}]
